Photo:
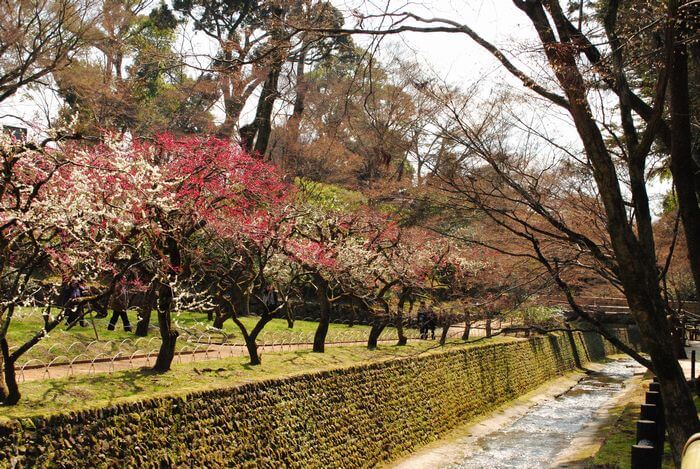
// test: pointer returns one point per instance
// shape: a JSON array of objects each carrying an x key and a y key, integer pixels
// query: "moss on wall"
[{"x": 353, "y": 417}]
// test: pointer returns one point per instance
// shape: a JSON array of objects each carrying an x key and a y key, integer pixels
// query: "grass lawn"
[
  {"x": 89, "y": 342},
  {"x": 78, "y": 392},
  {"x": 615, "y": 452}
]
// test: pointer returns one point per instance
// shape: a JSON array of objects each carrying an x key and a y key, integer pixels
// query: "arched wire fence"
[{"x": 79, "y": 357}]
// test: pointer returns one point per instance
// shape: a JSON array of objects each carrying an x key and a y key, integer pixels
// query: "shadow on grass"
[{"x": 101, "y": 386}]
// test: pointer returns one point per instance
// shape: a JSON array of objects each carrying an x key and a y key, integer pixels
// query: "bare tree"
[
  {"x": 39, "y": 37},
  {"x": 578, "y": 68}
]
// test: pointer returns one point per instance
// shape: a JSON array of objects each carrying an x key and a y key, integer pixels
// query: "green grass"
[
  {"x": 85, "y": 391},
  {"x": 87, "y": 342},
  {"x": 621, "y": 434}
]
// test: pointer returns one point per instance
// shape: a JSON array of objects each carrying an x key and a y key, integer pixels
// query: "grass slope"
[
  {"x": 64, "y": 345},
  {"x": 79, "y": 392}
]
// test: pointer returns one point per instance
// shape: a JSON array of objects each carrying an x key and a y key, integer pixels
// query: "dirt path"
[
  {"x": 201, "y": 352},
  {"x": 207, "y": 352}
]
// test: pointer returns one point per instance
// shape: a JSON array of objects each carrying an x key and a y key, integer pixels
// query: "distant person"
[
  {"x": 423, "y": 320},
  {"x": 270, "y": 299},
  {"x": 120, "y": 304},
  {"x": 69, "y": 296},
  {"x": 431, "y": 324}
]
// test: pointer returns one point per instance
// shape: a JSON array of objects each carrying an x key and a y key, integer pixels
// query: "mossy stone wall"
[{"x": 353, "y": 417}]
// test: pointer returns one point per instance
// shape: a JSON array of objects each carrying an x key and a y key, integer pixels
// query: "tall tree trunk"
[
  {"x": 229, "y": 85},
  {"x": 678, "y": 336},
  {"x": 256, "y": 135},
  {"x": 324, "y": 306},
  {"x": 683, "y": 168},
  {"x": 12, "y": 389},
  {"x": 232, "y": 111},
  {"x": 222, "y": 314},
  {"x": 467, "y": 326},
  {"x": 144, "y": 313},
  {"x": 300, "y": 98},
  {"x": 649, "y": 312},
  {"x": 289, "y": 315},
  {"x": 251, "y": 339},
  {"x": 374, "y": 333},
  {"x": 445, "y": 331},
  {"x": 403, "y": 340},
  {"x": 266, "y": 104},
  {"x": 168, "y": 335},
  {"x": 3, "y": 387},
  {"x": 489, "y": 332},
  {"x": 252, "y": 346},
  {"x": 144, "y": 321},
  {"x": 637, "y": 267}
]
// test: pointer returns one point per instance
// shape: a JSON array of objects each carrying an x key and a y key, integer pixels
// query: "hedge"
[{"x": 351, "y": 417}]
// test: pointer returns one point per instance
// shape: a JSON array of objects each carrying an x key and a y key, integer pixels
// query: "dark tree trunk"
[
  {"x": 403, "y": 340},
  {"x": 251, "y": 339},
  {"x": 144, "y": 321},
  {"x": 168, "y": 335},
  {"x": 324, "y": 305},
  {"x": 467, "y": 326},
  {"x": 166, "y": 354},
  {"x": 252, "y": 346},
  {"x": 445, "y": 331},
  {"x": 683, "y": 168},
  {"x": 144, "y": 313},
  {"x": 635, "y": 265},
  {"x": 489, "y": 332},
  {"x": 3, "y": 388},
  {"x": 299, "y": 100},
  {"x": 374, "y": 333},
  {"x": 265, "y": 105},
  {"x": 677, "y": 334},
  {"x": 289, "y": 315},
  {"x": 656, "y": 337},
  {"x": 12, "y": 389},
  {"x": 256, "y": 135},
  {"x": 220, "y": 318},
  {"x": 301, "y": 87}
]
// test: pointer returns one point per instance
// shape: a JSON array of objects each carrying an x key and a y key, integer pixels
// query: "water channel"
[{"x": 535, "y": 439}]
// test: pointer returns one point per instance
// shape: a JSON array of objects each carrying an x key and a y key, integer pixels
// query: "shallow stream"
[{"x": 535, "y": 439}]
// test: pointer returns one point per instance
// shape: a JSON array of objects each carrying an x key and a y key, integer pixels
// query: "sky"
[
  {"x": 450, "y": 56},
  {"x": 458, "y": 60}
]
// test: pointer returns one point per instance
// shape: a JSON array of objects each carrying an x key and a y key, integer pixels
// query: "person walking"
[
  {"x": 422, "y": 319},
  {"x": 120, "y": 305},
  {"x": 431, "y": 324},
  {"x": 70, "y": 294}
]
